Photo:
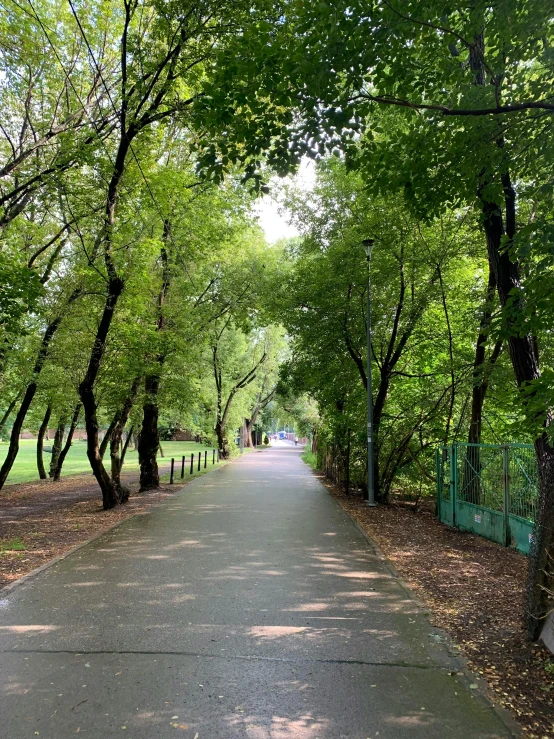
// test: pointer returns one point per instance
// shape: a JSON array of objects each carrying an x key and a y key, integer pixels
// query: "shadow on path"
[{"x": 247, "y": 606}]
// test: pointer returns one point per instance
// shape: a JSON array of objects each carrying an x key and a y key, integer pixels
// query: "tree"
[{"x": 474, "y": 86}]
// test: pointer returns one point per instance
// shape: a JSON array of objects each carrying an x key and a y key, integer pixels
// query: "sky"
[{"x": 273, "y": 220}]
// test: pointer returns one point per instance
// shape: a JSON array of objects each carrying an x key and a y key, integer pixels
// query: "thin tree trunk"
[
  {"x": 108, "y": 435},
  {"x": 57, "y": 445},
  {"x": 8, "y": 412},
  {"x": 40, "y": 442},
  {"x": 115, "y": 443},
  {"x": 30, "y": 392},
  {"x": 482, "y": 368},
  {"x": 347, "y": 485},
  {"x": 125, "y": 447},
  {"x": 68, "y": 442}
]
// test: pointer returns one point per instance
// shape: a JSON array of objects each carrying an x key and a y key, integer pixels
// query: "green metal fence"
[{"x": 489, "y": 489}]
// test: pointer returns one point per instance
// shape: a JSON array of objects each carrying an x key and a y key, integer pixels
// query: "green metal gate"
[{"x": 489, "y": 489}]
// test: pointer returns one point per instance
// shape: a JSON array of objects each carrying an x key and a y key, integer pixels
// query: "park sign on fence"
[{"x": 489, "y": 489}]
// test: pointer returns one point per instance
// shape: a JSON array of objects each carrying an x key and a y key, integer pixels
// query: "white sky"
[{"x": 275, "y": 223}]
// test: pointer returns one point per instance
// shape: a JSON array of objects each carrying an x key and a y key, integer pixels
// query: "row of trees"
[
  {"x": 131, "y": 288},
  {"x": 448, "y": 110},
  {"x": 134, "y": 274}
]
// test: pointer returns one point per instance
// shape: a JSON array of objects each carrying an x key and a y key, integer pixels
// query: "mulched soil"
[
  {"x": 473, "y": 589},
  {"x": 52, "y": 517}
]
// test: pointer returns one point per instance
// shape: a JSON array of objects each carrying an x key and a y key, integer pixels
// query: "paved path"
[{"x": 246, "y": 606}]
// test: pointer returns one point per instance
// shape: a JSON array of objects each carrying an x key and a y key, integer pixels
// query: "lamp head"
[{"x": 368, "y": 246}]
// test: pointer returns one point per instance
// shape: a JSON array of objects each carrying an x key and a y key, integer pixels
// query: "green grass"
[
  {"x": 25, "y": 467},
  {"x": 11, "y": 548},
  {"x": 12, "y": 545},
  {"x": 310, "y": 458}
]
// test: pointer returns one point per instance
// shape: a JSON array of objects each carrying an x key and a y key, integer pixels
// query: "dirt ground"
[
  {"x": 41, "y": 520},
  {"x": 473, "y": 589}
]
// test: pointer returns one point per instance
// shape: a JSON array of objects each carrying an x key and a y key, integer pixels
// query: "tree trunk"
[
  {"x": 17, "y": 427},
  {"x": 40, "y": 441},
  {"x": 248, "y": 432},
  {"x": 57, "y": 445},
  {"x": 107, "y": 436},
  {"x": 149, "y": 439},
  {"x": 526, "y": 369},
  {"x": 222, "y": 442},
  {"x": 115, "y": 443},
  {"x": 8, "y": 412},
  {"x": 347, "y": 483},
  {"x": 68, "y": 441},
  {"x": 125, "y": 447},
  {"x": 482, "y": 368},
  {"x": 110, "y": 496}
]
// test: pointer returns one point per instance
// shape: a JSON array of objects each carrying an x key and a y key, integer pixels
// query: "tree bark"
[
  {"x": 115, "y": 443},
  {"x": 57, "y": 445},
  {"x": 40, "y": 441},
  {"x": 68, "y": 442},
  {"x": 110, "y": 496},
  {"x": 8, "y": 412},
  {"x": 222, "y": 442},
  {"x": 107, "y": 436},
  {"x": 30, "y": 392},
  {"x": 149, "y": 440},
  {"x": 523, "y": 355},
  {"x": 125, "y": 447},
  {"x": 482, "y": 368}
]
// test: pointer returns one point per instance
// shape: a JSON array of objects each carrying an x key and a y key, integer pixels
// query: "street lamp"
[{"x": 370, "y": 497}]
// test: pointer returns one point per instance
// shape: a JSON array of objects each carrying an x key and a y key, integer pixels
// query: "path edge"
[
  {"x": 484, "y": 692},
  {"x": 60, "y": 557}
]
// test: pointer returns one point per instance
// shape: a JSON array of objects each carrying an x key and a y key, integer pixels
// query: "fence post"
[
  {"x": 348, "y": 464},
  {"x": 506, "y": 485},
  {"x": 453, "y": 480},
  {"x": 205, "y": 458},
  {"x": 172, "y": 469},
  {"x": 192, "y": 463},
  {"x": 213, "y": 456},
  {"x": 182, "y": 467},
  {"x": 438, "y": 469},
  {"x": 199, "y": 460}
]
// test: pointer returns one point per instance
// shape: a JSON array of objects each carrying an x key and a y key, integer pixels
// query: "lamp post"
[{"x": 370, "y": 497}]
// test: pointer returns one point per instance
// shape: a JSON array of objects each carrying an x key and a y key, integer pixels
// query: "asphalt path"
[{"x": 247, "y": 605}]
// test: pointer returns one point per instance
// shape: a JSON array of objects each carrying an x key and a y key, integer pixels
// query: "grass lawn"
[{"x": 25, "y": 467}]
